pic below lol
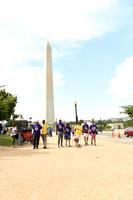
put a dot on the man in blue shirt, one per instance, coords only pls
(85, 128)
(36, 134)
(60, 129)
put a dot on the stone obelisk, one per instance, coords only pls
(48, 86)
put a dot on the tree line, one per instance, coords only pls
(7, 105)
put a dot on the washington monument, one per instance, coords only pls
(48, 86)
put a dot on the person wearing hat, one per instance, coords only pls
(93, 133)
(78, 132)
(36, 134)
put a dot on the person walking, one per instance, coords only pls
(93, 133)
(36, 129)
(78, 132)
(44, 133)
(60, 129)
(85, 133)
(67, 136)
(13, 131)
(50, 131)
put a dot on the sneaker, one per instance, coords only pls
(79, 145)
(44, 147)
(91, 143)
(58, 146)
(94, 144)
(33, 148)
(61, 145)
(87, 143)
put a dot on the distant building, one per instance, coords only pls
(114, 119)
(116, 125)
(118, 119)
(124, 119)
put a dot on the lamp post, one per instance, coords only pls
(75, 103)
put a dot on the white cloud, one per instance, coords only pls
(122, 83)
(60, 20)
(26, 25)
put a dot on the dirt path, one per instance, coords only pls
(104, 172)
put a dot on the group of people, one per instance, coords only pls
(42, 130)
(62, 131)
(77, 132)
(37, 130)
(66, 131)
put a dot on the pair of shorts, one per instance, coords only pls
(67, 138)
(93, 134)
(86, 134)
(60, 135)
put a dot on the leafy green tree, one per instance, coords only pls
(127, 109)
(81, 121)
(128, 123)
(7, 105)
(107, 127)
(9, 122)
(102, 123)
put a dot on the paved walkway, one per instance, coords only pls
(122, 140)
(104, 172)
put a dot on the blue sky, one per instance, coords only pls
(92, 47)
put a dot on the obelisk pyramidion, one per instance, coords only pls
(48, 87)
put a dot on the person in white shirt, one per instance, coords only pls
(13, 131)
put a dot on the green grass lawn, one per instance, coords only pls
(5, 140)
